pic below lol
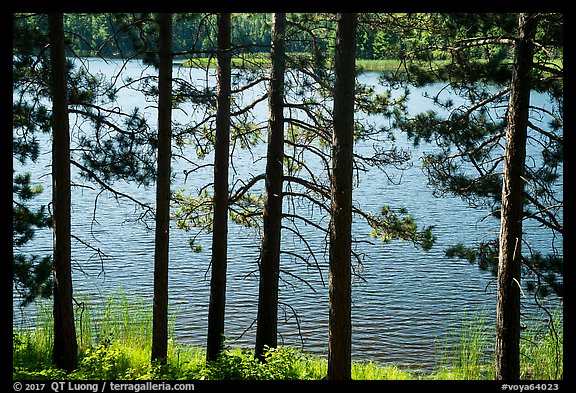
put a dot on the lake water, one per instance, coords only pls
(405, 301)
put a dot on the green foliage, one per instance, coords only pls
(542, 348)
(101, 362)
(196, 211)
(469, 356)
(25, 220)
(118, 320)
(25, 373)
(248, 212)
(27, 118)
(397, 224)
(374, 371)
(380, 36)
(120, 148)
(193, 211)
(120, 350)
(32, 274)
(485, 255)
(279, 363)
(541, 274)
(32, 352)
(469, 127)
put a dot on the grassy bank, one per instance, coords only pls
(118, 346)
(254, 62)
(257, 61)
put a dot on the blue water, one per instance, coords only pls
(405, 301)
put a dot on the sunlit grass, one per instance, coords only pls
(466, 353)
(259, 60)
(115, 343)
(542, 350)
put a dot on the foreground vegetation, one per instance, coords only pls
(116, 345)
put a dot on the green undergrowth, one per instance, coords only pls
(115, 344)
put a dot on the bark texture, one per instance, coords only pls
(507, 350)
(340, 249)
(216, 310)
(65, 345)
(266, 330)
(161, 254)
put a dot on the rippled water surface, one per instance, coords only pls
(405, 301)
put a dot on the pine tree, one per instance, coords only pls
(471, 137)
(472, 162)
(340, 285)
(65, 345)
(266, 330)
(216, 311)
(507, 352)
(161, 250)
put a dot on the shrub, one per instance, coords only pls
(280, 363)
(101, 362)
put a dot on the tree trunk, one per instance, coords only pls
(340, 291)
(217, 306)
(160, 307)
(266, 330)
(65, 345)
(507, 352)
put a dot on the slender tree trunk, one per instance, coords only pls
(65, 345)
(507, 352)
(161, 257)
(340, 291)
(266, 330)
(217, 306)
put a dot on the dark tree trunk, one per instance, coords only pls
(217, 306)
(160, 307)
(266, 330)
(340, 291)
(65, 345)
(507, 352)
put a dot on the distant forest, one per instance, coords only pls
(111, 35)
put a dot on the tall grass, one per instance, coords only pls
(468, 354)
(115, 343)
(119, 319)
(542, 349)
